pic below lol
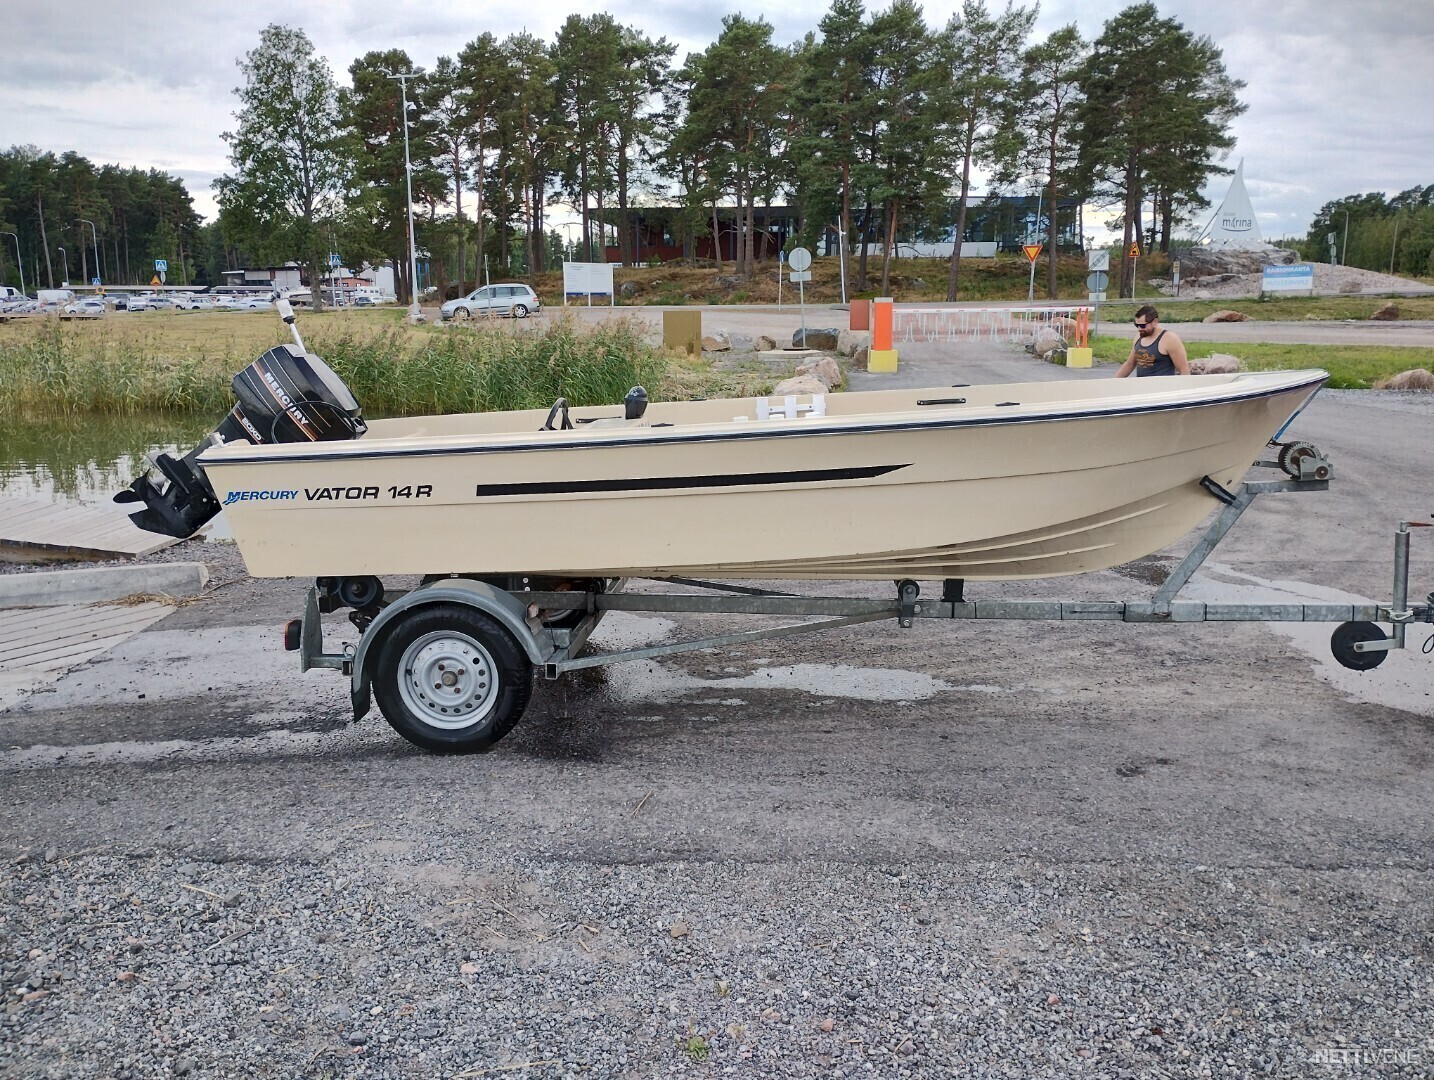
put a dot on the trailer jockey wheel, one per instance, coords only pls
(452, 679)
(1344, 638)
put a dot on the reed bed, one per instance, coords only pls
(61, 370)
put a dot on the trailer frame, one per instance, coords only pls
(550, 628)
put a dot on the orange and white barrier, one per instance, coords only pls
(882, 356)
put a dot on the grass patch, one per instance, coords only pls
(184, 363)
(1285, 309)
(1350, 367)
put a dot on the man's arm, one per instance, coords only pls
(1129, 365)
(1175, 349)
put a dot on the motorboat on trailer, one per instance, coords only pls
(1004, 481)
(525, 526)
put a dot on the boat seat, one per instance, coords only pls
(789, 408)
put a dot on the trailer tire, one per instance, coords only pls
(451, 679)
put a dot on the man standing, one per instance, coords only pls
(1156, 351)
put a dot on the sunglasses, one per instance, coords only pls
(1141, 325)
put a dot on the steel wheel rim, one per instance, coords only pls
(448, 680)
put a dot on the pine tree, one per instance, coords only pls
(1157, 109)
(981, 55)
(289, 167)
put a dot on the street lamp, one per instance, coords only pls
(413, 313)
(1344, 248)
(19, 261)
(95, 232)
(67, 265)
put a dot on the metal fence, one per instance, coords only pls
(994, 324)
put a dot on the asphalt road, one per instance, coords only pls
(780, 325)
(1045, 836)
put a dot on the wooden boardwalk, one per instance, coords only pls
(39, 644)
(64, 527)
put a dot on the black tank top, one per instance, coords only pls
(1162, 364)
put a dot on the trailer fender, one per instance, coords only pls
(508, 609)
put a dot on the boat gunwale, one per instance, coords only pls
(360, 450)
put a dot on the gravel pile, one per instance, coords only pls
(1328, 279)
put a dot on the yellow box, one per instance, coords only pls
(682, 330)
(1079, 357)
(881, 360)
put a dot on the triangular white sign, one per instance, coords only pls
(1234, 223)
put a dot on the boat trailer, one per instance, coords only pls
(451, 661)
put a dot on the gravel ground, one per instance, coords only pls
(523, 964)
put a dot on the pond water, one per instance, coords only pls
(87, 459)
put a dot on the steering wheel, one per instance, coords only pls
(560, 405)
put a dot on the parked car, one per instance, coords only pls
(190, 302)
(87, 306)
(515, 299)
(138, 303)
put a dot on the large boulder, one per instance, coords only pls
(764, 343)
(848, 341)
(825, 369)
(627, 290)
(1215, 364)
(816, 339)
(716, 341)
(1047, 340)
(800, 384)
(1226, 315)
(1413, 379)
(1386, 313)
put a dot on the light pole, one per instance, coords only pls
(19, 260)
(413, 313)
(1344, 248)
(569, 243)
(67, 265)
(96, 233)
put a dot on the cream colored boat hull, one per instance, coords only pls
(1015, 481)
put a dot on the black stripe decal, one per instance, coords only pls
(665, 483)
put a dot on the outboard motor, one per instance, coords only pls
(287, 395)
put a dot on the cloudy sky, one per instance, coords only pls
(1340, 93)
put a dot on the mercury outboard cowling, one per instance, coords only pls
(287, 395)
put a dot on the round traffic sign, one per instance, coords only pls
(799, 259)
(1097, 281)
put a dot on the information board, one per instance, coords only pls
(1294, 278)
(587, 279)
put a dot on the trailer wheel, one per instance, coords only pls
(1343, 640)
(452, 680)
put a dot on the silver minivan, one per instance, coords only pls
(516, 299)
